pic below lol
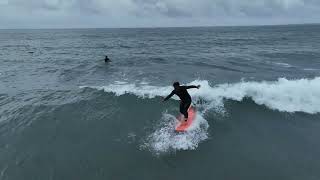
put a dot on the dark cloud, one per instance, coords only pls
(112, 13)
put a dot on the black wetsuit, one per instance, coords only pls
(185, 98)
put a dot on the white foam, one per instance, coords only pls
(284, 64)
(165, 139)
(144, 91)
(310, 69)
(301, 95)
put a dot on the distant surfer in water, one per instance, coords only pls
(184, 96)
(106, 59)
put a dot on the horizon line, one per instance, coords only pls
(159, 27)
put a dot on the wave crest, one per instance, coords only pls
(284, 95)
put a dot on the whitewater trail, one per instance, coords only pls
(284, 95)
(164, 139)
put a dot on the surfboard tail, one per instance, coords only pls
(182, 125)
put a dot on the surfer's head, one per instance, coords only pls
(176, 85)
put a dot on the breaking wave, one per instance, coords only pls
(284, 95)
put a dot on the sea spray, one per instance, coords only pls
(164, 139)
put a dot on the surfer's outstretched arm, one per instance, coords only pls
(190, 87)
(169, 96)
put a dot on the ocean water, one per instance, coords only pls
(66, 114)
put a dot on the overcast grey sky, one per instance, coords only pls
(154, 13)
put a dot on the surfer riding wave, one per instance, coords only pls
(185, 98)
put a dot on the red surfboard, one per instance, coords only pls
(183, 126)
